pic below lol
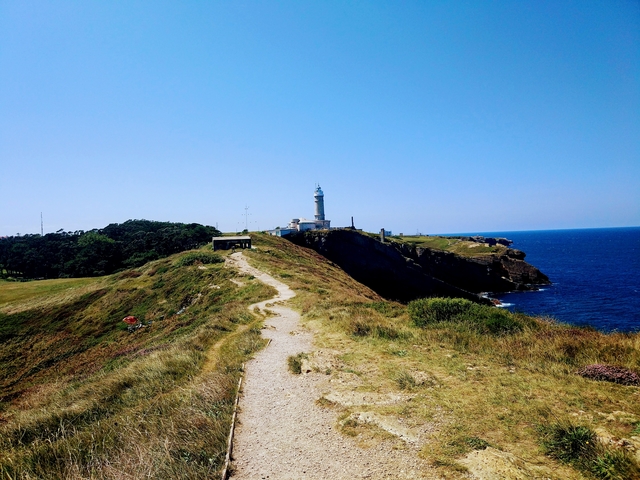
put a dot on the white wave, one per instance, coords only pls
(505, 305)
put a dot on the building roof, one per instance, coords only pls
(243, 237)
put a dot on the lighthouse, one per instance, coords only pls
(319, 198)
(302, 224)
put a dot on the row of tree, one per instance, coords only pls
(100, 251)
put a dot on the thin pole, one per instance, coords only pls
(246, 218)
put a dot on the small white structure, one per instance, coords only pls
(302, 224)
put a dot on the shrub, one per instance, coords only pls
(433, 310)
(499, 322)
(199, 257)
(568, 443)
(481, 318)
(610, 373)
(579, 446)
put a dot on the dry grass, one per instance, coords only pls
(83, 398)
(460, 383)
(20, 296)
(455, 245)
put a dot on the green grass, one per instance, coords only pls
(458, 312)
(83, 398)
(199, 258)
(578, 445)
(11, 292)
(454, 245)
(479, 373)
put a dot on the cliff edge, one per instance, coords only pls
(403, 271)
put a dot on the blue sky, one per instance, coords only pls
(430, 116)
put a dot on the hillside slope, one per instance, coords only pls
(82, 397)
(480, 392)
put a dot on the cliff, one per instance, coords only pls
(404, 272)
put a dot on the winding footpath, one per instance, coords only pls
(282, 433)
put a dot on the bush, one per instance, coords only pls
(433, 310)
(578, 445)
(610, 373)
(497, 322)
(568, 443)
(481, 318)
(199, 257)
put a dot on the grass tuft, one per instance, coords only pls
(405, 380)
(568, 443)
(476, 443)
(295, 363)
(579, 446)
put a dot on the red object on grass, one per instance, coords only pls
(131, 320)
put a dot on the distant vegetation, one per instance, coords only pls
(100, 251)
(456, 245)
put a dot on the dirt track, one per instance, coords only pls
(282, 433)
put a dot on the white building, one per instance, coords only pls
(302, 224)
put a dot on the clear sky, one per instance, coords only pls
(429, 116)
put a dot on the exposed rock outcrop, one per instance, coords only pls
(404, 272)
(485, 273)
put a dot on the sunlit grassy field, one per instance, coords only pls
(13, 293)
(471, 388)
(82, 397)
(449, 244)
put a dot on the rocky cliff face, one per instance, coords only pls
(485, 273)
(403, 272)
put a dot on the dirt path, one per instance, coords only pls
(282, 433)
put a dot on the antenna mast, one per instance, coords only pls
(246, 218)
(41, 226)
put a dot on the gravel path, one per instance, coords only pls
(282, 433)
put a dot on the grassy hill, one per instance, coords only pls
(507, 382)
(84, 398)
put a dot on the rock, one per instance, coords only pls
(306, 366)
(386, 423)
(493, 464)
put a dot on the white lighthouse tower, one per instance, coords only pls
(302, 224)
(319, 198)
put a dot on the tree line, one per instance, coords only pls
(99, 251)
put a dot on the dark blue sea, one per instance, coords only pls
(595, 275)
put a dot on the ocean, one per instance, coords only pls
(595, 275)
